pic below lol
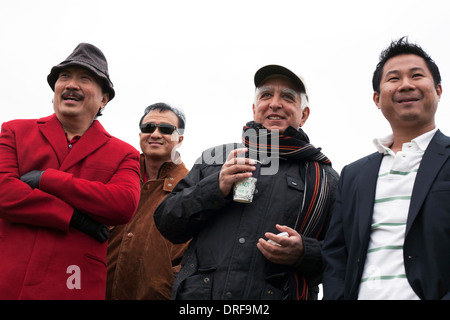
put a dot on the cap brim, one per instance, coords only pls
(270, 70)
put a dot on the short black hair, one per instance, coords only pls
(161, 106)
(399, 47)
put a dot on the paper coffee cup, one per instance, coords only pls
(244, 189)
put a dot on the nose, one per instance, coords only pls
(72, 84)
(275, 103)
(156, 134)
(406, 84)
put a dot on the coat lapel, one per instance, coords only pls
(434, 157)
(94, 138)
(367, 184)
(53, 131)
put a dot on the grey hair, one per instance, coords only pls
(303, 98)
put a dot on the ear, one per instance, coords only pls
(305, 116)
(180, 140)
(253, 108)
(376, 99)
(439, 91)
(105, 99)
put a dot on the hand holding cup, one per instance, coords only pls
(235, 169)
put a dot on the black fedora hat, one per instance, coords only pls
(87, 56)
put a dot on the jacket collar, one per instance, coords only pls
(167, 169)
(95, 137)
(53, 131)
(433, 159)
(366, 188)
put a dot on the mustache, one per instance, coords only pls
(72, 94)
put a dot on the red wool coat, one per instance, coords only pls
(41, 257)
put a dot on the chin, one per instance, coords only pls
(276, 127)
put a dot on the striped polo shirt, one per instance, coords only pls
(384, 274)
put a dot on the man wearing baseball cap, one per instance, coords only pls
(236, 252)
(64, 180)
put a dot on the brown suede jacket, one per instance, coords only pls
(141, 262)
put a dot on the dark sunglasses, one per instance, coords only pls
(164, 128)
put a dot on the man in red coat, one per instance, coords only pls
(64, 179)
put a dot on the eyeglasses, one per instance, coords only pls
(164, 128)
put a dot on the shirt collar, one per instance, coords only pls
(74, 139)
(422, 141)
(164, 170)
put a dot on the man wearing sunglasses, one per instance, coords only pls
(236, 252)
(141, 262)
(64, 179)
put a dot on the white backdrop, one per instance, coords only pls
(201, 55)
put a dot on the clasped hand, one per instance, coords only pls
(289, 251)
(79, 221)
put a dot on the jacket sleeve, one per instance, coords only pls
(194, 200)
(111, 203)
(18, 202)
(334, 251)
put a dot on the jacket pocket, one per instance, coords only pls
(92, 259)
(198, 286)
(295, 183)
(276, 287)
(441, 186)
(293, 198)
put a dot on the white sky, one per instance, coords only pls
(201, 56)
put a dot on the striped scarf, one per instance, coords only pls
(294, 145)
